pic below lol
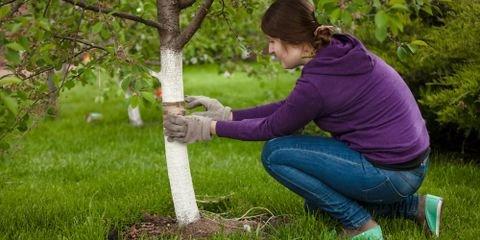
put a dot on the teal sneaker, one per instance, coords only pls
(371, 234)
(433, 212)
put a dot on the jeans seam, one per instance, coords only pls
(395, 189)
(362, 222)
(315, 152)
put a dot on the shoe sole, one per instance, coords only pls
(439, 218)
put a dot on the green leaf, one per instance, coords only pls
(399, 6)
(395, 24)
(15, 46)
(15, 27)
(148, 96)
(9, 80)
(335, 15)
(381, 19)
(320, 3)
(381, 33)
(105, 34)
(22, 126)
(428, 10)
(12, 56)
(43, 22)
(125, 84)
(97, 27)
(410, 48)
(134, 101)
(24, 42)
(69, 84)
(347, 18)
(10, 103)
(402, 53)
(419, 43)
(89, 76)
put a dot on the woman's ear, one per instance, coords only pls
(308, 51)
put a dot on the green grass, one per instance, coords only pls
(73, 180)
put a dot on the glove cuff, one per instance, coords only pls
(227, 111)
(205, 134)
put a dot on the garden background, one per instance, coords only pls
(67, 178)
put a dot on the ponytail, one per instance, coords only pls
(322, 36)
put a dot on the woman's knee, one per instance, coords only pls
(270, 147)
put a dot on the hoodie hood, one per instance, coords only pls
(344, 56)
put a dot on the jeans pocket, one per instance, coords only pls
(384, 192)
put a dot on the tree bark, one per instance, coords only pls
(52, 94)
(134, 116)
(171, 79)
(181, 185)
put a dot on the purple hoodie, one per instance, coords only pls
(349, 92)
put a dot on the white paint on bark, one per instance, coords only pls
(133, 112)
(181, 185)
(171, 76)
(134, 116)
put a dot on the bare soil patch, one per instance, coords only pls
(153, 226)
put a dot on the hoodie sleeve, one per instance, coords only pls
(300, 107)
(256, 112)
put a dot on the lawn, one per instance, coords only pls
(73, 180)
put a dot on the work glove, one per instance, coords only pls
(187, 129)
(214, 109)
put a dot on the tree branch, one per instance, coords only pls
(188, 32)
(46, 8)
(82, 4)
(185, 3)
(15, 8)
(7, 2)
(81, 41)
(153, 63)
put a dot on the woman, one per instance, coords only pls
(377, 158)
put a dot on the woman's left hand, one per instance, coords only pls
(187, 129)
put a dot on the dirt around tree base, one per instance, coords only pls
(154, 226)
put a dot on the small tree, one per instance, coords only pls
(171, 37)
(172, 40)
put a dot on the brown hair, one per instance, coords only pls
(294, 22)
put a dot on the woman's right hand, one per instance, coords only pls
(214, 109)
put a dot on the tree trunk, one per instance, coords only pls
(172, 40)
(52, 107)
(134, 116)
(183, 195)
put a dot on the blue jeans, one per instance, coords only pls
(340, 181)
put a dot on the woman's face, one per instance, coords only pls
(290, 55)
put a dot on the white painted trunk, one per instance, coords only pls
(133, 112)
(171, 78)
(134, 116)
